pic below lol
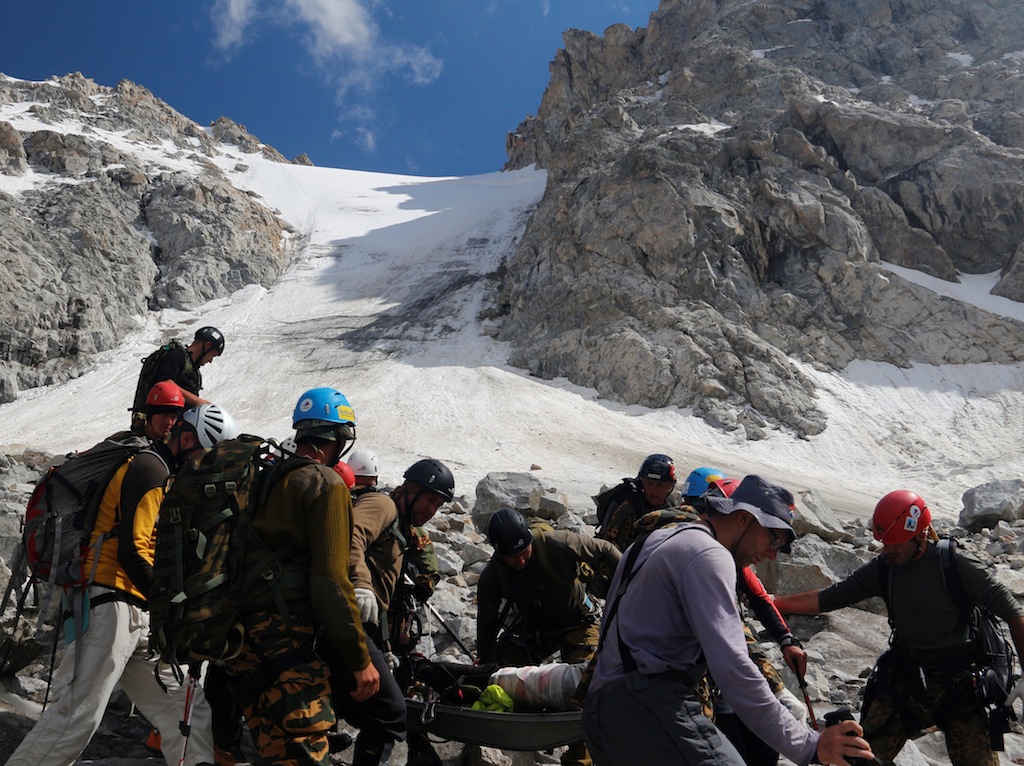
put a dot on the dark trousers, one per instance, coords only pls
(383, 715)
(653, 720)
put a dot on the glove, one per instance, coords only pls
(1016, 693)
(369, 609)
(422, 589)
(793, 704)
(392, 660)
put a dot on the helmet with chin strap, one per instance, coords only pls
(658, 467)
(434, 476)
(324, 413)
(509, 532)
(165, 396)
(211, 423)
(899, 517)
(211, 335)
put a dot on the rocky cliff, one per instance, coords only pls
(98, 230)
(727, 185)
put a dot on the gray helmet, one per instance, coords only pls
(434, 476)
(211, 423)
(509, 532)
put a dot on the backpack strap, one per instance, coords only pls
(628, 663)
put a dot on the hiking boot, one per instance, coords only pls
(421, 752)
(153, 742)
(338, 741)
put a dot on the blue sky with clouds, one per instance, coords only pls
(427, 88)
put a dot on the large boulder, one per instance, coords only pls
(990, 503)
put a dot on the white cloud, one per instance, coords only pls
(336, 28)
(545, 7)
(230, 20)
(341, 37)
(345, 42)
(366, 138)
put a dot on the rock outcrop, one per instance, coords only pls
(726, 185)
(112, 207)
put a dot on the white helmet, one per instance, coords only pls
(212, 423)
(363, 462)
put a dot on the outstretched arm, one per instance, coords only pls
(799, 603)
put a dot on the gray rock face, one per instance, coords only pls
(725, 183)
(104, 234)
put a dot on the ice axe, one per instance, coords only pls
(807, 700)
(462, 644)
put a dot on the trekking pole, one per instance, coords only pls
(430, 607)
(807, 700)
(185, 727)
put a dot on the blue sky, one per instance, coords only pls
(427, 88)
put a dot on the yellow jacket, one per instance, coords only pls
(128, 513)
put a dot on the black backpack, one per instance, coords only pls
(996, 660)
(612, 498)
(147, 373)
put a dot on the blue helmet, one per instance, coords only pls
(324, 413)
(696, 483)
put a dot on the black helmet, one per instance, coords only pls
(433, 475)
(211, 335)
(509, 532)
(659, 467)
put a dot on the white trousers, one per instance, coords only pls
(113, 653)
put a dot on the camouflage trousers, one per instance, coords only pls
(284, 690)
(905, 698)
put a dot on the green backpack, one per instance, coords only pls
(210, 566)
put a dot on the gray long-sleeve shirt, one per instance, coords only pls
(682, 603)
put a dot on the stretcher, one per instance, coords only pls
(507, 731)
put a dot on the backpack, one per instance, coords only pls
(610, 499)
(149, 365)
(59, 520)
(995, 659)
(210, 566)
(62, 509)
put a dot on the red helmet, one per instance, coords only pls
(722, 487)
(344, 470)
(165, 396)
(899, 517)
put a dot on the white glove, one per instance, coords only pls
(1016, 693)
(369, 609)
(793, 704)
(391, 660)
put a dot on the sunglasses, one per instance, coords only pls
(777, 542)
